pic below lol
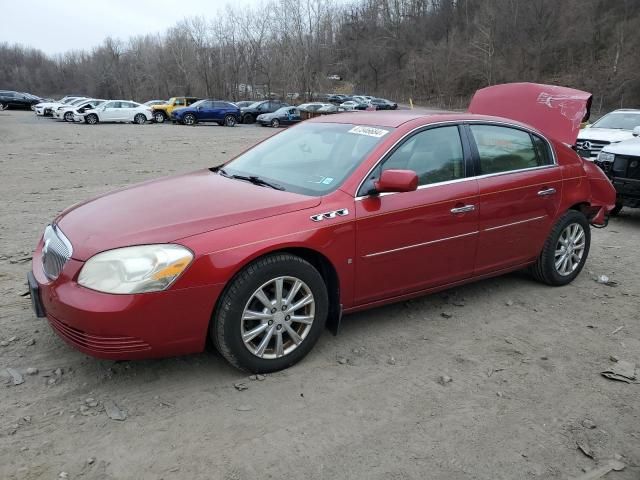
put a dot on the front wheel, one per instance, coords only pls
(3, 106)
(271, 314)
(140, 119)
(248, 118)
(275, 123)
(92, 119)
(565, 251)
(159, 117)
(189, 119)
(229, 121)
(68, 117)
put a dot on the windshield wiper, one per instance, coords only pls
(256, 180)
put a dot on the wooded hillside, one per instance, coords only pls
(437, 52)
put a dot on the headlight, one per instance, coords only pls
(606, 157)
(145, 268)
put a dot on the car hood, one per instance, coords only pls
(555, 111)
(171, 208)
(628, 147)
(611, 135)
(49, 104)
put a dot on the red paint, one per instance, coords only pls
(388, 247)
(397, 181)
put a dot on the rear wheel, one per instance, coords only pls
(159, 117)
(3, 106)
(230, 121)
(271, 314)
(275, 123)
(92, 119)
(189, 119)
(565, 250)
(140, 119)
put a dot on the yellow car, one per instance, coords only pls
(163, 111)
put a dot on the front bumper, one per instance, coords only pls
(123, 327)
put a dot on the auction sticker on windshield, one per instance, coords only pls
(369, 131)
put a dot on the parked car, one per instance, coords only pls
(327, 217)
(328, 108)
(383, 104)
(250, 113)
(282, 117)
(116, 111)
(350, 105)
(151, 103)
(621, 163)
(163, 111)
(45, 109)
(218, 111)
(17, 100)
(316, 106)
(244, 103)
(337, 99)
(66, 111)
(614, 127)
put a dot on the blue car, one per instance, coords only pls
(218, 111)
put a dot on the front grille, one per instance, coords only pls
(98, 343)
(592, 146)
(625, 166)
(56, 251)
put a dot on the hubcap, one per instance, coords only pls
(278, 317)
(569, 249)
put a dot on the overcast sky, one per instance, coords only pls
(56, 26)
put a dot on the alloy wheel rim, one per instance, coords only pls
(68, 116)
(275, 123)
(140, 119)
(278, 317)
(231, 121)
(188, 120)
(569, 249)
(159, 117)
(91, 119)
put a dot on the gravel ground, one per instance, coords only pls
(496, 380)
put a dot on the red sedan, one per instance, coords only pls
(335, 215)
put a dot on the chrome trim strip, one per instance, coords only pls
(419, 245)
(514, 223)
(477, 177)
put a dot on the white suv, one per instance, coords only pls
(614, 127)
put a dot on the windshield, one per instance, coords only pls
(198, 103)
(312, 158)
(254, 105)
(619, 120)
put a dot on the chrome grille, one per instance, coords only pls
(56, 251)
(593, 146)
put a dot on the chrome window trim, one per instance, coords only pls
(476, 177)
(416, 245)
(514, 223)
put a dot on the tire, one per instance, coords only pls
(68, 117)
(3, 106)
(91, 119)
(140, 119)
(275, 123)
(230, 121)
(189, 119)
(227, 325)
(159, 117)
(616, 210)
(545, 270)
(248, 119)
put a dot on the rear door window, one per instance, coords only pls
(504, 149)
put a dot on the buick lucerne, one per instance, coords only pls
(334, 215)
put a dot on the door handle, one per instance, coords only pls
(463, 209)
(547, 191)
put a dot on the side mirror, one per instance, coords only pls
(397, 181)
(636, 131)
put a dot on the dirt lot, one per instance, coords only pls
(524, 359)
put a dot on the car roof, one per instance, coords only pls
(394, 119)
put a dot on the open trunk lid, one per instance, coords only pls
(557, 112)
